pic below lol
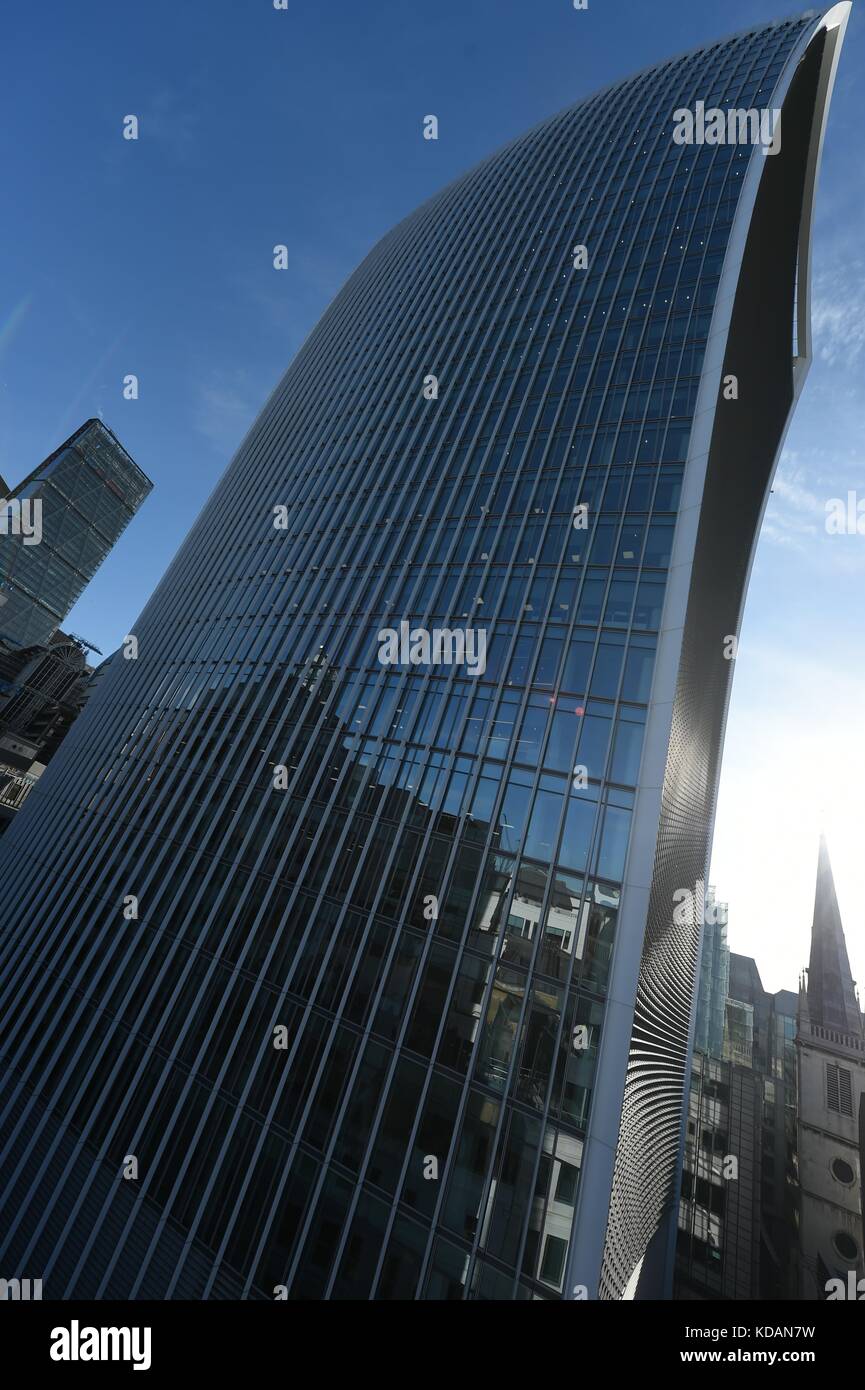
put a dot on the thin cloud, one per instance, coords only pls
(838, 313)
(225, 406)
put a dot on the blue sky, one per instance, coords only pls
(304, 127)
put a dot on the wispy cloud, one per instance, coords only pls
(838, 312)
(168, 119)
(225, 405)
(807, 480)
(292, 302)
(174, 123)
(795, 514)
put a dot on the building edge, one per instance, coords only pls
(607, 1167)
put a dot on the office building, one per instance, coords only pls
(366, 951)
(56, 528)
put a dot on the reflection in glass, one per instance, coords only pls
(565, 926)
(488, 909)
(464, 1014)
(524, 914)
(575, 1065)
(447, 1273)
(471, 1165)
(614, 843)
(543, 828)
(528, 746)
(540, 1030)
(500, 1029)
(577, 834)
(511, 1194)
(603, 915)
(626, 752)
(514, 810)
(552, 1214)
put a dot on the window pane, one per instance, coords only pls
(614, 843)
(564, 927)
(402, 1263)
(512, 816)
(626, 753)
(464, 1014)
(563, 737)
(576, 673)
(471, 1164)
(577, 834)
(594, 741)
(528, 746)
(608, 665)
(500, 1027)
(544, 826)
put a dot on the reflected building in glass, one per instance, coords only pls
(374, 967)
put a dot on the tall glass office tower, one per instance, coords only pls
(345, 983)
(85, 493)
(56, 528)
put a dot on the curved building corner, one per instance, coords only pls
(761, 336)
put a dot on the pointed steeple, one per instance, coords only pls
(832, 999)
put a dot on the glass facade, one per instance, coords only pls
(737, 1225)
(87, 492)
(351, 1034)
(714, 979)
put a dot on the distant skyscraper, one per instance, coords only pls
(86, 493)
(363, 929)
(831, 1047)
(56, 528)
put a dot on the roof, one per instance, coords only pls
(832, 1001)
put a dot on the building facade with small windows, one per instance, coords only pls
(401, 1010)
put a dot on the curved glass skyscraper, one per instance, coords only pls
(346, 945)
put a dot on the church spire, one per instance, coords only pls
(831, 993)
